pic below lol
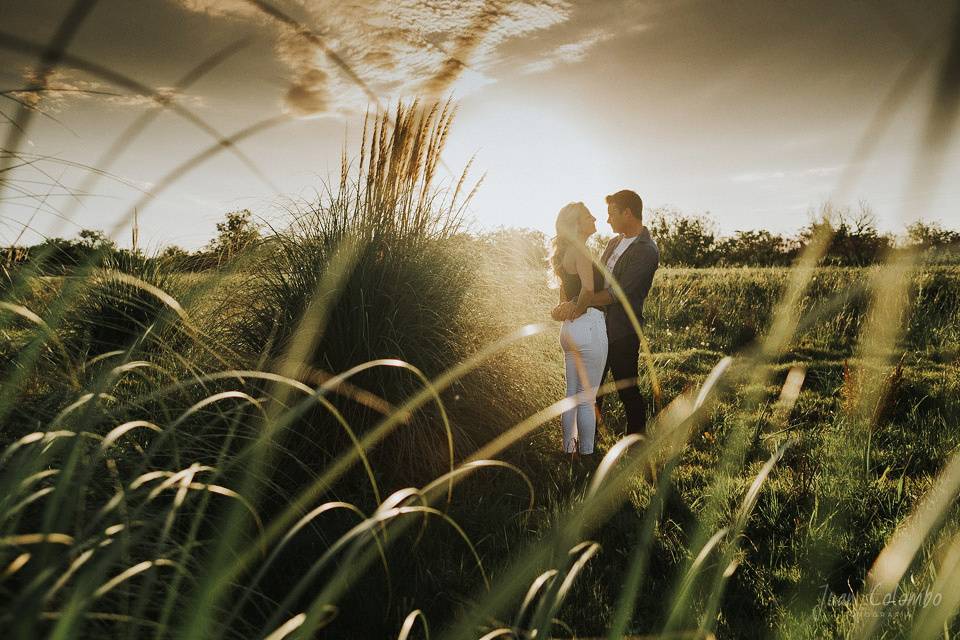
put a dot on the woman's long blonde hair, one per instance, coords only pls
(567, 226)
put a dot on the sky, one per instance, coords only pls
(751, 111)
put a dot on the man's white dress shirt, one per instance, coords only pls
(617, 252)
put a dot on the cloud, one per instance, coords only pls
(766, 176)
(390, 48)
(236, 8)
(822, 172)
(568, 53)
(759, 176)
(63, 88)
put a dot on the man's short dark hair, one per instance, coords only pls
(626, 199)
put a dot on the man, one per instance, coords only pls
(632, 257)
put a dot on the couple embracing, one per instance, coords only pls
(597, 334)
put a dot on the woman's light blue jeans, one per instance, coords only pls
(584, 343)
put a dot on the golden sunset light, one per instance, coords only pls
(479, 320)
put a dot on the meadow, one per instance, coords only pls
(352, 431)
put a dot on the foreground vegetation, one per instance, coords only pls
(354, 435)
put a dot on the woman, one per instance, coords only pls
(584, 340)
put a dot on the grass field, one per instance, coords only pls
(140, 555)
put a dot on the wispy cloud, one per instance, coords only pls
(759, 176)
(63, 88)
(394, 48)
(767, 176)
(237, 8)
(568, 53)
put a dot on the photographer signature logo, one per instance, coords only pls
(880, 600)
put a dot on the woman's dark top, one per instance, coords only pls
(571, 282)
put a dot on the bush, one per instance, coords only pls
(756, 248)
(519, 248)
(684, 240)
(237, 233)
(935, 243)
(405, 282)
(855, 240)
(114, 312)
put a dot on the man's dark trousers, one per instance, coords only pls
(634, 271)
(623, 355)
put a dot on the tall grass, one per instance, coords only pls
(355, 353)
(399, 294)
(349, 435)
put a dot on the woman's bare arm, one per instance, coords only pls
(585, 271)
(556, 313)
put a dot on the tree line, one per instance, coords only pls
(235, 234)
(856, 241)
(693, 240)
(684, 240)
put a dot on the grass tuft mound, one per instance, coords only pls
(374, 270)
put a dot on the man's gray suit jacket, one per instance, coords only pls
(634, 273)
